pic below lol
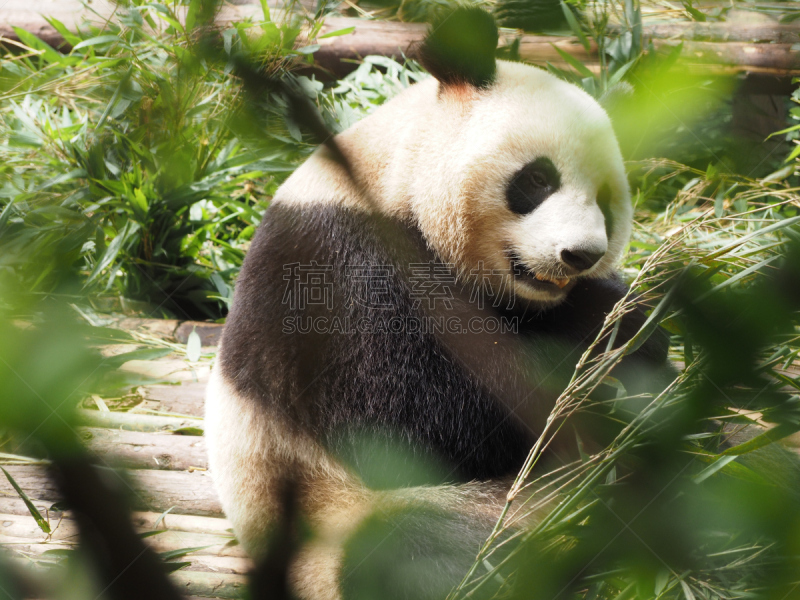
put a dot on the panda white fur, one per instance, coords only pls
(503, 177)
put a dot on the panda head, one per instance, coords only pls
(512, 175)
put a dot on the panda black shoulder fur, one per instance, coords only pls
(435, 294)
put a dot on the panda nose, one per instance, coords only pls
(582, 260)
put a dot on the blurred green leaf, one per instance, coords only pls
(338, 32)
(100, 39)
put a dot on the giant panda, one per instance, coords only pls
(427, 282)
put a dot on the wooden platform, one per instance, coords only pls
(761, 49)
(164, 470)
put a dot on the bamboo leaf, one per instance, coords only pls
(575, 26)
(74, 174)
(48, 53)
(171, 567)
(787, 130)
(113, 250)
(5, 215)
(771, 435)
(574, 62)
(68, 35)
(652, 322)
(162, 516)
(113, 102)
(100, 39)
(713, 468)
(620, 73)
(141, 354)
(37, 516)
(794, 154)
(746, 238)
(338, 32)
(193, 347)
(739, 276)
(169, 555)
(147, 534)
(191, 14)
(687, 591)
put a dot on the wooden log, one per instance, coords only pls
(31, 548)
(142, 521)
(177, 531)
(393, 39)
(24, 527)
(169, 369)
(135, 422)
(33, 481)
(188, 398)
(159, 328)
(738, 55)
(210, 585)
(137, 450)
(397, 39)
(209, 332)
(190, 493)
(207, 575)
(154, 491)
(29, 15)
(726, 32)
(762, 48)
(201, 560)
(21, 531)
(13, 505)
(211, 545)
(218, 564)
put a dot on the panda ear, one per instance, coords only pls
(460, 48)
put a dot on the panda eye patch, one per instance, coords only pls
(539, 179)
(532, 185)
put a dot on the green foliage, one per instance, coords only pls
(681, 502)
(132, 164)
(617, 52)
(421, 11)
(133, 169)
(792, 133)
(376, 80)
(659, 105)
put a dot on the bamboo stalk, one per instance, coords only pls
(135, 422)
(146, 521)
